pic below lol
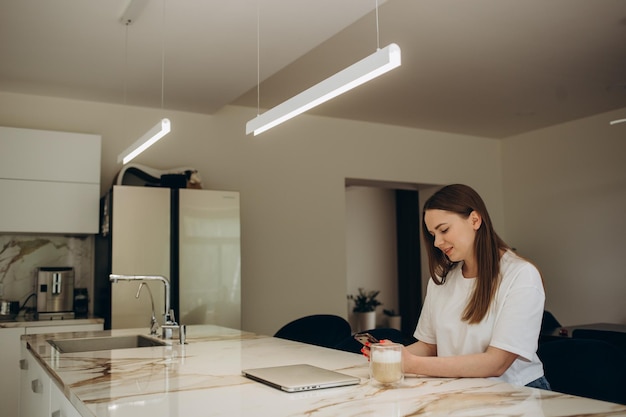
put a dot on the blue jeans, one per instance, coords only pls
(541, 383)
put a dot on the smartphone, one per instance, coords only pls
(365, 337)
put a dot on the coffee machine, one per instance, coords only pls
(55, 293)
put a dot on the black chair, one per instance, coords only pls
(549, 322)
(615, 338)
(349, 344)
(319, 329)
(585, 367)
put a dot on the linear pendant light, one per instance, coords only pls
(163, 127)
(148, 139)
(618, 121)
(380, 62)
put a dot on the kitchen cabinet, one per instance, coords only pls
(34, 387)
(39, 393)
(11, 349)
(50, 181)
(60, 406)
(9, 363)
(190, 236)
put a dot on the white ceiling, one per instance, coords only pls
(490, 68)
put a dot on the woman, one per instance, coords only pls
(484, 304)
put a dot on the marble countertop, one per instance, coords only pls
(203, 378)
(20, 321)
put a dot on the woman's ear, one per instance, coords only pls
(475, 219)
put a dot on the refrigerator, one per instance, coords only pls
(189, 236)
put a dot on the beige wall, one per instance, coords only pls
(565, 206)
(371, 246)
(292, 184)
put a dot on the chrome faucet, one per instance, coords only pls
(169, 322)
(154, 324)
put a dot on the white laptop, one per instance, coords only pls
(300, 377)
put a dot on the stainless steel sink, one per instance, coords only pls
(90, 344)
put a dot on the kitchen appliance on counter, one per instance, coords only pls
(55, 293)
(81, 302)
(9, 310)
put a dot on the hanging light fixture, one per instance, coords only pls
(148, 139)
(163, 127)
(380, 62)
(614, 122)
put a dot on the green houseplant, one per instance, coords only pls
(365, 303)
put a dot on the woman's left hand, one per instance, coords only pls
(365, 350)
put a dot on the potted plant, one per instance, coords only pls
(365, 304)
(394, 320)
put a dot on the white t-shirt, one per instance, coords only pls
(512, 323)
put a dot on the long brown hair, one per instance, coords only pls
(463, 200)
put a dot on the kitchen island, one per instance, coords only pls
(203, 378)
(10, 345)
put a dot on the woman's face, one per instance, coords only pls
(453, 234)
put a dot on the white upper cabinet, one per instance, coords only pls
(49, 181)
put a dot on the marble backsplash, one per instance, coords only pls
(21, 255)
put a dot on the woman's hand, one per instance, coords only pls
(407, 359)
(365, 350)
(407, 356)
(413, 354)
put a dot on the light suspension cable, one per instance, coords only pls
(163, 127)
(382, 61)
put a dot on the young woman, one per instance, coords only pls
(484, 304)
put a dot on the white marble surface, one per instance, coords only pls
(21, 322)
(21, 255)
(203, 378)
